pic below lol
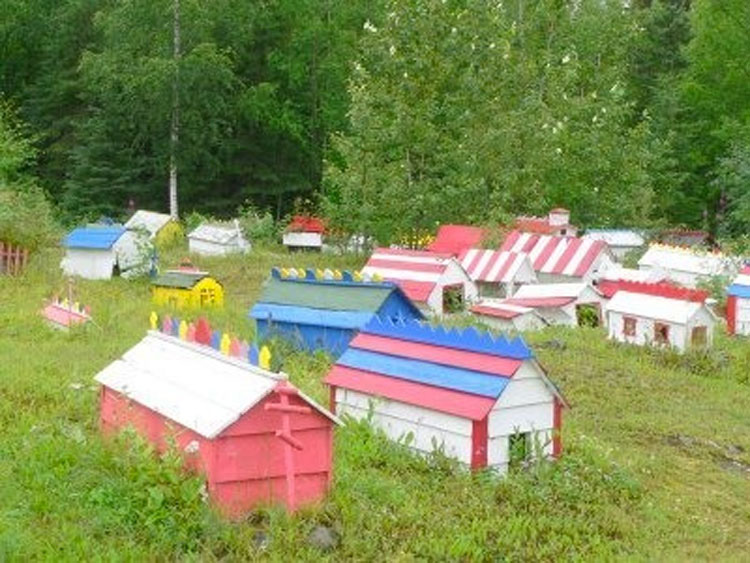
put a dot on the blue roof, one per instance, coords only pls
(97, 238)
(310, 316)
(737, 290)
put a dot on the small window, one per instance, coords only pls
(453, 299)
(661, 333)
(519, 449)
(699, 336)
(628, 326)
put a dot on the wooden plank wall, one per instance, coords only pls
(13, 259)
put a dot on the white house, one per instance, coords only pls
(507, 317)
(481, 400)
(304, 233)
(99, 252)
(497, 273)
(619, 241)
(738, 304)
(568, 304)
(660, 315)
(435, 282)
(218, 240)
(149, 221)
(685, 266)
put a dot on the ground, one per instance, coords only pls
(656, 464)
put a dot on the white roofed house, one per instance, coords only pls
(620, 241)
(435, 282)
(218, 239)
(661, 315)
(497, 273)
(159, 227)
(568, 304)
(686, 266)
(561, 259)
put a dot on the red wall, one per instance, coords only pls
(244, 465)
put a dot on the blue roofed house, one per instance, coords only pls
(316, 311)
(97, 252)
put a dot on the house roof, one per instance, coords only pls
(562, 255)
(151, 221)
(661, 289)
(193, 385)
(306, 224)
(417, 272)
(493, 266)
(618, 272)
(218, 234)
(64, 316)
(458, 372)
(549, 294)
(325, 302)
(682, 259)
(94, 238)
(180, 279)
(499, 309)
(653, 307)
(741, 285)
(683, 237)
(628, 238)
(456, 239)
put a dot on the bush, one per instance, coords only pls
(257, 225)
(26, 217)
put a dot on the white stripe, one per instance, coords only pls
(518, 247)
(403, 258)
(742, 279)
(402, 274)
(477, 270)
(511, 273)
(468, 258)
(538, 247)
(549, 265)
(500, 260)
(576, 259)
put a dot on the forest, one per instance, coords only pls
(385, 116)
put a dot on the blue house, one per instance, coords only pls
(317, 311)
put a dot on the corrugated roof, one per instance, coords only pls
(456, 239)
(617, 237)
(218, 234)
(497, 266)
(499, 309)
(653, 307)
(685, 260)
(179, 279)
(190, 384)
(95, 238)
(417, 272)
(561, 255)
(572, 290)
(151, 221)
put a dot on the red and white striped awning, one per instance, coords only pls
(492, 266)
(417, 272)
(567, 256)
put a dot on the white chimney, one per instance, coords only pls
(559, 217)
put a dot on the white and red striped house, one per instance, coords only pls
(497, 273)
(486, 402)
(561, 259)
(561, 303)
(738, 304)
(499, 315)
(435, 282)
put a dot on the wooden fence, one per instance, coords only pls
(12, 259)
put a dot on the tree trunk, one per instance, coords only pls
(175, 129)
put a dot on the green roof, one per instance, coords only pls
(336, 297)
(179, 279)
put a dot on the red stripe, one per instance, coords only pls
(531, 243)
(732, 314)
(479, 444)
(416, 253)
(494, 312)
(408, 266)
(494, 365)
(567, 256)
(415, 290)
(494, 257)
(544, 255)
(510, 240)
(591, 255)
(557, 428)
(460, 404)
(510, 260)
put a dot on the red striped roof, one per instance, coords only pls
(492, 266)
(455, 239)
(550, 254)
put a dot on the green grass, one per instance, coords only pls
(657, 450)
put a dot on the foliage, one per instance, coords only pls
(257, 226)
(26, 217)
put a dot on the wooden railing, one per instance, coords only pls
(13, 259)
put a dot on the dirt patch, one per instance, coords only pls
(725, 456)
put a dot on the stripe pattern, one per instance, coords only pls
(492, 266)
(550, 254)
(417, 272)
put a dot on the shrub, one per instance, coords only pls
(26, 217)
(257, 225)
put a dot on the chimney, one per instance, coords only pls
(559, 217)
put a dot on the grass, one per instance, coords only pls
(656, 464)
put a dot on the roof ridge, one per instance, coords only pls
(331, 277)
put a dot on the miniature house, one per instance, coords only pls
(497, 273)
(738, 304)
(482, 401)
(256, 438)
(218, 240)
(620, 273)
(99, 252)
(685, 266)
(507, 317)
(660, 314)
(684, 238)
(456, 239)
(304, 233)
(434, 282)
(558, 259)
(160, 227)
(619, 241)
(317, 311)
(62, 314)
(557, 222)
(567, 304)
(186, 287)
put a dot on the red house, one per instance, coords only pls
(256, 438)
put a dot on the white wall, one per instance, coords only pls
(679, 335)
(307, 240)
(397, 419)
(526, 406)
(523, 322)
(682, 278)
(454, 274)
(208, 248)
(743, 317)
(89, 264)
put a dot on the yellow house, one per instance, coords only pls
(187, 288)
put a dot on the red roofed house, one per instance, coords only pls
(568, 304)
(456, 239)
(486, 402)
(559, 259)
(556, 223)
(435, 282)
(497, 273)
(738, 304)
(304, 233)
(503, 316)
(63, 314)
(661, 314)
